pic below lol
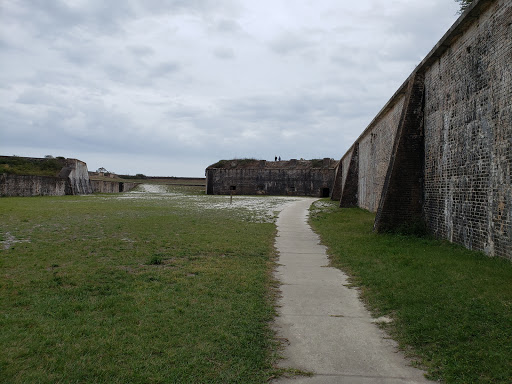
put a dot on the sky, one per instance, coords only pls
(168, 87)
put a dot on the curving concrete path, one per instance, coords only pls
(329, 331)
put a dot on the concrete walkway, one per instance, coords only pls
(329, 331)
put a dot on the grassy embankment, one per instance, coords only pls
(136, 290)
(452, 308)
(33, 167)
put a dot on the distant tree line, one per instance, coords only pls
(137, 176)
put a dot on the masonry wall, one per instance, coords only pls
(468, 136)
(375, 148)
(77, 175)
(293, 182)
(105, 186)
(73, 179)
(345, 164)
(455, 110)
(18, 185)
(338, 182)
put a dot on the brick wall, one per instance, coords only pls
(468, 136)
(293, 178)
(345, 165)
(375, 148)
(105, 186)
(337, 184)
(349, 197)
(401, 199)
(21, 185)
(463, 131)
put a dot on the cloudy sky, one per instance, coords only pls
(168, 87)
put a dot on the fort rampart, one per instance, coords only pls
(440, 151)
(106, 186)
(22, 185)
(260, 177)
(73, 179)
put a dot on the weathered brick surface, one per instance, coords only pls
(21, 185)
(294, 178)
(105, 186)
(337, 184)
(345, 165)
(349, 195)
(73, 179)
(375, 149)
(465, 177)
(401, 200)
(468, 136)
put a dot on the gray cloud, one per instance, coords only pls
(289, 42)
(164, 69)
(227, 26)
(224, 53)
(141, 50)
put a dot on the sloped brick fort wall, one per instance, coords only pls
(440, 151)
(260, 177)
(73, 179)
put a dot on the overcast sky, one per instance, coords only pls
(169, 87)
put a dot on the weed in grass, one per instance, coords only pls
(450, 306)
(155, 260)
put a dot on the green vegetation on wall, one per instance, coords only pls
(49, 166)
(234, 163)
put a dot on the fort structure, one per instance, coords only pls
(261, 177)
(111, 186)
(440, 151)
(70, 177)
(438, 154)
(59, 177)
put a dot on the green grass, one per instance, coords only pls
(452, 308)
(107, 290)
(234, 163)
(24, 166)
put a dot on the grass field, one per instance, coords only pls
(166, 285)
(452, 308)
(162, 287)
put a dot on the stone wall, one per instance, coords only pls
(375, 148)
(337, 186)
(73, 179)
(77, 175)
(20, 185)
(468, 135)
(293, 178)
(105, 186)
(345, 165)
(440, 151)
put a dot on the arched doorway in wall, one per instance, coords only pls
(326, 192)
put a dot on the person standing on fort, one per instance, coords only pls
(275, 159)
(279, 158)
